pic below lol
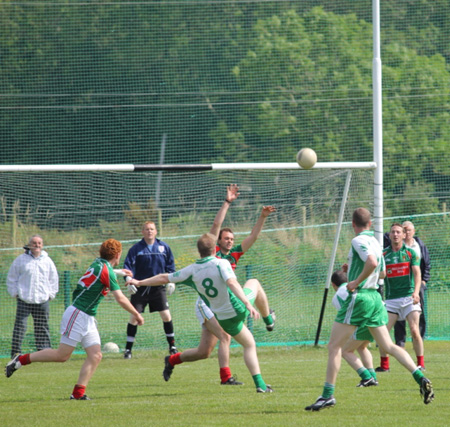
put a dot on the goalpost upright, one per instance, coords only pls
(377, 124)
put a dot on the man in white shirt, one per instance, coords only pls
(33, 280)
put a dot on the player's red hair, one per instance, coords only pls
(110, 249)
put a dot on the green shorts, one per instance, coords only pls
(362, 334)
(365, 308)
(235, 324)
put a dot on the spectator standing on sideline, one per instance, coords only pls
(33, 280)
(413, 242)
(147, 258)
(402, 287)
(78, 324)
(364, 307)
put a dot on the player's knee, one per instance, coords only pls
(97, 357)
(225, 339)
(415, 334)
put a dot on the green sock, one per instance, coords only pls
(259, 382)
(268, 320)
(328, 390)
(418, 375)
(364, 373)
(373, 374)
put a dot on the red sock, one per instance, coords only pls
(78, 391)
(385, 362)
(25, 359)
(421, 361)
(225, 374)
(175, 359)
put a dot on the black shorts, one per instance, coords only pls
(154, 296)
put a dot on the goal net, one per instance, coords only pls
(75, 211)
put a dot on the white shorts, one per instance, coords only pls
(202, 311)
(402, 307)
(79, 327)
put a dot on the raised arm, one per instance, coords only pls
(232, 195)
(248, 241)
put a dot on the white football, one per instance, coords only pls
(111, 347)
(170, 288)
(306, 158)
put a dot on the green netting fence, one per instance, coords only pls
(182, 81)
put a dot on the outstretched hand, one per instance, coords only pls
(133, 282)
(232, 192)
(267, 210)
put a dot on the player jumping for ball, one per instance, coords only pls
(215, 282)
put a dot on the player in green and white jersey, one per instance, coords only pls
(212, 332)
(402, 291)
(359, 341)
(214, 280)
(78, 324)
(364, 307)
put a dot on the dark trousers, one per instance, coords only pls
(400, 325)
(40, 314)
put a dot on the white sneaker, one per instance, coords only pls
(12, 366)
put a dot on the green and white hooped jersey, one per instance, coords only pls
(363, 245)
(208, 277)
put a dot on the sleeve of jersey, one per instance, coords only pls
(108, 278)
(225, 270)
(340, 296)
(335, 302)
(361, 246)
(181, 276)
(415, 258)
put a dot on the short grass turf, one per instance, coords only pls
(133, 392)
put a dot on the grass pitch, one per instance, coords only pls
(133, 392)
